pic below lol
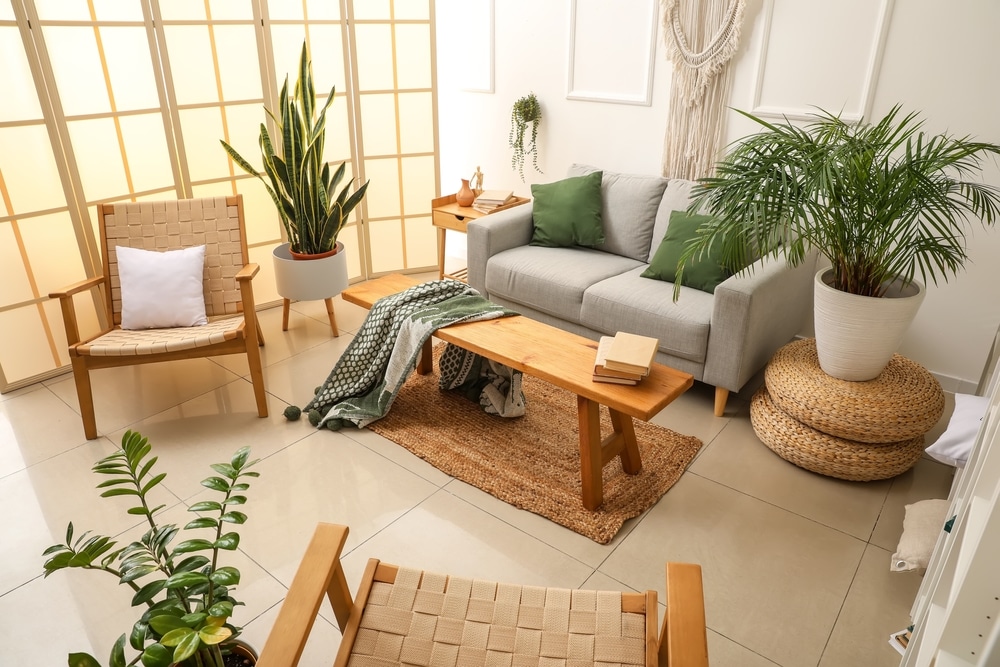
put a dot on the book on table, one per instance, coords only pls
(494, 197)
(631, 353)
(602, 374)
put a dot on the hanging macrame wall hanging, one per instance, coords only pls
(701, 37)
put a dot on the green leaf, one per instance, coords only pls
(221, 610)
(235, 500)
(164, 623)
(194, 620)
(138, 572)
(206, 506)
(214, 634)
(138, 635)
(157, 655)
(147, 592)
(119, 492)
(216, 484)
(176, 636)
(82, 660)
(117, 657)
(202, 522)
(187, 647)
(225, 470)
(182, 579)
(188, 546)
(190, 564)
(225, 576)
(153, 482)
(233, 517)
(229, 542)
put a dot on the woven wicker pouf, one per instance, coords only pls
(904, 402)
(826, 454)
(859, 431)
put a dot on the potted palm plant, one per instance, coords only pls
(884, 202)
(184, 592)
(303, 188)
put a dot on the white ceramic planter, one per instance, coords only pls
(310, 279)
(856, 336)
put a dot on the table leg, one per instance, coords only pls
(595, 451)
(425, 364)
(441, 238)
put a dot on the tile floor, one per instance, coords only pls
(796, 565)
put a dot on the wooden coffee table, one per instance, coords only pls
(565, 360)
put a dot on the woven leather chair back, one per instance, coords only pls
(215, 222)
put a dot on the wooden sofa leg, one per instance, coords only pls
(721, 396)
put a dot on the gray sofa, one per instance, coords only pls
(722, 339)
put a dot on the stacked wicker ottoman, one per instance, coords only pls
(858, 431)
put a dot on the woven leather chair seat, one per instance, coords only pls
(118, 343)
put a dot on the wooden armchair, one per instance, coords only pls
(232, 328)
(403, 616)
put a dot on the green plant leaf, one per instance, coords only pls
(157, 655)
(216, 484)
(82, 660)
(119, 492)
(188, 546)
(194, 620)
(235, 500)
(177, 635)
(239, 458)
(201, 522)
(164, 623)
(214, 634)
(206, 506)
(147, 592)
(117, 657)
(137, 637)
(234, 517)
(187, 646)
(153, 482)
(138, 572)
(191, 563)
(224, 469)
(221, 610)
(229, 542)
(183, 579)
(225, 576)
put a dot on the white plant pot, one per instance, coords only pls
(856, 336)
(310, 279)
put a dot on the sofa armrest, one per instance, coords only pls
(492, 234)
(756, 312)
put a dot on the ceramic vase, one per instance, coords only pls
(856, 336)
(465, 196)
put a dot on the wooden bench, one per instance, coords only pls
(565, 360)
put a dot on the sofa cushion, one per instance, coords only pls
(628, 302)
(628, 208)
(677, 197)
(568, 212)
(701, 272)
(551, 279)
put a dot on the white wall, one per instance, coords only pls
(938, 59)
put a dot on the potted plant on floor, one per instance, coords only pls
(525, 112)
(883, 202)
(304, 190)
(184, 592)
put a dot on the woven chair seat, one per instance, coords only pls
(431, 619)
(125, 343)
(904, 402)
(825, 454)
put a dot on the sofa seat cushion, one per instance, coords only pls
(552, 280)
(628, 302)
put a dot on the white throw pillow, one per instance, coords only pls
(162, 289)
(922, 525)
(956, 442)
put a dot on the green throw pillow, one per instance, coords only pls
(568, 212)
(704, 273)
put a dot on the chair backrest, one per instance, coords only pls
(215, 222)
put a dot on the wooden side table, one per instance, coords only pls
(447, 214)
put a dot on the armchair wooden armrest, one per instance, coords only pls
(247, 272)
(684, 639)
(77, 287)
(65, 297)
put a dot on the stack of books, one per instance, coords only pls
(624, 358)
(489, 200)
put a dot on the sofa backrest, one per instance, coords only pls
(628, 210)
(635, 209)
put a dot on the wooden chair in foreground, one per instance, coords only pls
(232, 328)
(403, 616)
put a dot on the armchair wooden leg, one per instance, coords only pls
(85, 395)
(684, 640)
(721, 396)
(260, 335)
(257, 379)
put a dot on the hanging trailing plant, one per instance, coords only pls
(526, 111)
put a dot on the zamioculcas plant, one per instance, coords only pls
(299, 181)
(183, 590)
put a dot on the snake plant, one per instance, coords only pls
(299, 181)
(882, 201)
(184, 592)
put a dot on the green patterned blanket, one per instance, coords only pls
(364, 382)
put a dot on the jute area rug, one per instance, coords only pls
(533, 462)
